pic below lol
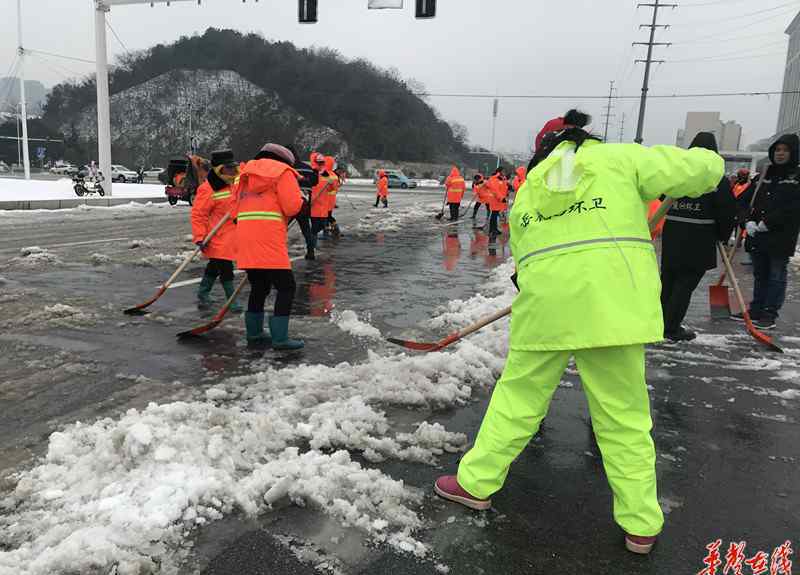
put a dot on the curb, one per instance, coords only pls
(74, 203)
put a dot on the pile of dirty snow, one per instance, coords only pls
(128, 492)
(393, 219)
(134, 244)
(158, 260)
(99, 259)
(56, 315)
(34, 256)
(348, 321)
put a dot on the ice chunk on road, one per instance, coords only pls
(99, 259)
(348, 321)
(34, 256)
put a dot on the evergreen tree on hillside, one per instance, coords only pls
(375, 110)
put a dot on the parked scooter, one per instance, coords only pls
(84, 186)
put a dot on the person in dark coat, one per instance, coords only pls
(689, 246)
(772, 229)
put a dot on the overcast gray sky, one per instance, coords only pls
(508, 47)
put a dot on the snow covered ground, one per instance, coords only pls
(12, 189)
(126, 493)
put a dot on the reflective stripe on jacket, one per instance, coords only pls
(208, 208)
(268, 195)
(587, 270)
(333, 190)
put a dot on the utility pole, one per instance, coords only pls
(608, 115)
(622, 128)
(495, 109)
(23, 106)
(646, 85)
(103, 102)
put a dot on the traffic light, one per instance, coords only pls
(426, 8)
(307, 11)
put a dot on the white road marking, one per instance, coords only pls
(86, 243)
(198, 280)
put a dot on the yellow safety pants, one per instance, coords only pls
(614, 380)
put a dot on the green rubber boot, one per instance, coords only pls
(279, 328)
(229, 289)
(204, 291)
(254, 324)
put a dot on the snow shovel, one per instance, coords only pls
(139, 309)
(759, 336)
(440, 215)
(480, 324)
(217, 319)
(453, 337)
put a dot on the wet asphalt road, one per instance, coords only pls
(728, 450)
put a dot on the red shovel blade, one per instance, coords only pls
(719, 300)
(416, 346)
(201, 330)
(760, 335)
(140, 309)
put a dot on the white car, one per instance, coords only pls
(63, 169)
(122, 174)
(154, 172)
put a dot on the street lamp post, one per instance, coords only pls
(24, 109)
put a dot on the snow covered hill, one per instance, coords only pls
(156, 120)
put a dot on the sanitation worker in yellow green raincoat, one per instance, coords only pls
(589, 289)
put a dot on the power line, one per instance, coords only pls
(739, 52)
(716, 39)
(114, 32)
(12, 76)
(736, 58)
(723, 32)
(712, 3)
(548, 96)
(85, 61)
(62, 71)
(794, 6)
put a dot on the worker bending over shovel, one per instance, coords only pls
(589, 289)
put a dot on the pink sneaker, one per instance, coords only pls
(447, 487)
(639, 544)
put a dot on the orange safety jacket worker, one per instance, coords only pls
(739, 189)
(480, 192)
(383, 186)
(455, 186)
(320, 198)
(519, 179)
(333, 178)
(268, 195)
(208, 209)
(497, 191)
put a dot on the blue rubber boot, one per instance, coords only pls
(229, 289)
(254, 324)
(279, 328)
